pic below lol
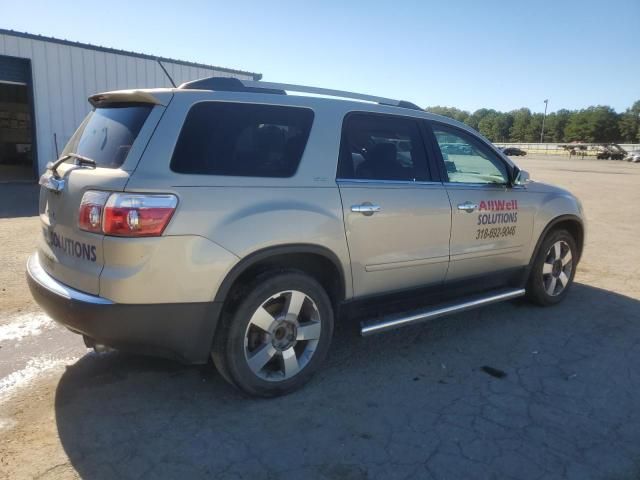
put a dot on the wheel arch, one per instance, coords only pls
(315, 260)
(572, 223)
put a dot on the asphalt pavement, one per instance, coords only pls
(507, 391)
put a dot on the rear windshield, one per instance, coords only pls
(238, 139)
(106, 135)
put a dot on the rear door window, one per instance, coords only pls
(108, 133)
(241, 139)
(382, 147)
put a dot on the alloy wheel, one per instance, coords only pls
(557, 268)
(282, 335)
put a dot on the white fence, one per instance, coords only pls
(557, 149)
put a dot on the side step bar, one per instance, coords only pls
(409, 318)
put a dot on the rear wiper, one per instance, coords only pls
(80, 160)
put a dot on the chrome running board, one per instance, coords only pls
(409, 318)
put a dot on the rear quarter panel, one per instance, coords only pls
(241, 215)
(73, 256)
(167, 269)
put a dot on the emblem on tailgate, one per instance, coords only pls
(51, 183)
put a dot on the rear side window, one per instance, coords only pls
(241, 139)
(381, 147)
(107, 134)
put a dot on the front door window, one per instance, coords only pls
(467, 160)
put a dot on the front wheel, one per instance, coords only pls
(553, 269)
(278, 335)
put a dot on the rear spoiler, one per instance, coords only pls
(153, 97)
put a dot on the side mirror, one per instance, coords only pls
(521, 178)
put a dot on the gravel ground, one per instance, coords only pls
(19, 226)
(559, 399)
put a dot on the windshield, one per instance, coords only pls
(107, 134)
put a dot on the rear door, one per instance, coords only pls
(397, 219)
(492, 220)
(114, 135)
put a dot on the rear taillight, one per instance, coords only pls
(135, 215)
(126, 214)
(91, 208)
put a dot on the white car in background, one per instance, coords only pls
(633, 156)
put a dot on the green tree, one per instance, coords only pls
(593, 124)
(520, 125)
(549, 127)
(605, 124)
(487, 126)
(532, 133)
(495, 126)
(473, 120)
(577, 129)
(505, 126)
(555, 124)
(451, 112)
(629, 124)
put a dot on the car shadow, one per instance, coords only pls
(473, 392)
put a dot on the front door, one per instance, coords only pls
(397, 220)
(491, 221)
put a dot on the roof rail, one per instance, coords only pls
(230, 84)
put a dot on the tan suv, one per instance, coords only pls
(227, 218)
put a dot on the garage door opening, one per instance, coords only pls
(17, 139)
(16, 136)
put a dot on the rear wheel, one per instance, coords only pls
(277, 336)
(553, 269)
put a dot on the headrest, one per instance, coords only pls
(384, 153)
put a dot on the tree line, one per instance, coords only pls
(594, 124)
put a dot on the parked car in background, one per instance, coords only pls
(610, 151)
(633, 156)
(513, 151)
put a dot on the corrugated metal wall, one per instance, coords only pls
(64, 76)
(14, 70)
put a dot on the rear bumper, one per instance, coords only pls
(182, 331)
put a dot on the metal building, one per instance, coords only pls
(45, 83)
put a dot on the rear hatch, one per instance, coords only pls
(102, 154)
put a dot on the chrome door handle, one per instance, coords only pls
(467, 207)
(366, 208)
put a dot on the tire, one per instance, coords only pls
(552, 273)
(264, 347)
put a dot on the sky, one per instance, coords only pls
(466, 54)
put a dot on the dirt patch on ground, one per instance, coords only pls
(18, 237)
(19, 230)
